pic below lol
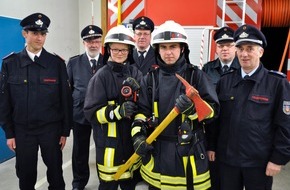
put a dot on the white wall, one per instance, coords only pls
(68, 17)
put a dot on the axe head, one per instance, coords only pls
(203, 110)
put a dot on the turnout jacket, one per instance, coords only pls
(254, 119)
(34, 94)
(112, 134)
(166, 167)
(80, 72)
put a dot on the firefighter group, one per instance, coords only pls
(155, 117)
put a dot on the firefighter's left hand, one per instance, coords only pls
(127, 109)
(141, 147)
(273, 169)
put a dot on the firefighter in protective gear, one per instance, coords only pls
(111, 113)
(177, 158)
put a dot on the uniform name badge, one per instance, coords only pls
(286, 107)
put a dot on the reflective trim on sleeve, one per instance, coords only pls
(140, 116)
(116, 112)
(135, 130)
(101, 115)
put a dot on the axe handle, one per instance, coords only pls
(171, 116)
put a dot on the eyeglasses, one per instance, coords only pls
(123, 51)
(221, 46)
(139, 34)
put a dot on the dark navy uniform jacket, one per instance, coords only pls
(214, 71)
(79, 73)
(34, 94)
(254, 121)
(149, 60)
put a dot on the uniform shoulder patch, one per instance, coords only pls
(9, 55)
(59, 57)
(74, 57)
(277, 73)
(193, 67)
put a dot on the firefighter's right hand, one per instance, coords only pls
(127, 109)
(185, 105)
(141, 147)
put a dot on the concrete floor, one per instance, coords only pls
(9, 180)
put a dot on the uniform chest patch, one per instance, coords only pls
(286, 107)
(260, 98)
(49, 80)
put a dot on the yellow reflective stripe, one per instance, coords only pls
(100, 114)
(109, 157)
(155, 109)
(135, 130)
(140, 116)
(111, 102)
(112, 131)
(116, 112)
(192, 162)
(203, 186)
(173, 180)
(201, 181)
(193, 116)
(148, 175)
(184, 159)
(107, 173)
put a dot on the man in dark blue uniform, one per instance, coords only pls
(143, 54)
(254, 118)
(36, 105)
(80, 70)
(226, 52)
(226, 62)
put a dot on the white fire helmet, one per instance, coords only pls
(169, 32)
(120, 34)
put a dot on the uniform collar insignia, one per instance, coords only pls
(243, 35)
(286, 107)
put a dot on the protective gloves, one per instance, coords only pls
(127, 109)
(132, 83)
(140, 145)
(185, 105)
